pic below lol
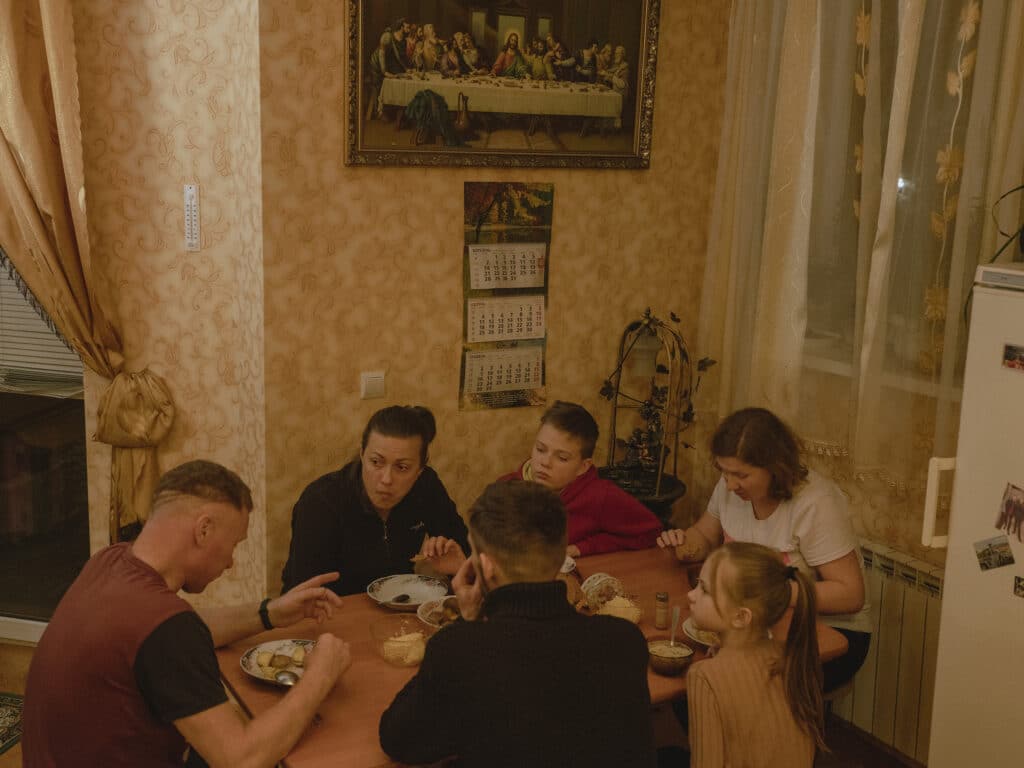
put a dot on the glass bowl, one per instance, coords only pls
(669, 660)
(439, 613)
(400, 639)
(624, 607)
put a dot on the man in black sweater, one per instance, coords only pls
(523, 680)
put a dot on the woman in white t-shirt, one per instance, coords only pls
(767, 496)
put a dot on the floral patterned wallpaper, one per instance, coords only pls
(363, 266)
(170, 95)
(311, 271)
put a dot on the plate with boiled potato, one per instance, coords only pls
(267, 660)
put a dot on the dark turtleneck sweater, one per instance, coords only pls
(531, 683)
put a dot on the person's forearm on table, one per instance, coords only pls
(224, 738)
(231, 622)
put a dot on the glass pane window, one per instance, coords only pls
(44, 513)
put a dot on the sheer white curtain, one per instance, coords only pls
(864, 144)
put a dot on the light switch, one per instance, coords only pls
(371, 384)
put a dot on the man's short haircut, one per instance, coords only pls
(574, 420)
(205, 480)
(522, 525)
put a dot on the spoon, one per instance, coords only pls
(286, 677)
(675, 623)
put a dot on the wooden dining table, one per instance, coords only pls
(345, 729)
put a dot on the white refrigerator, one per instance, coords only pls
(978, 711)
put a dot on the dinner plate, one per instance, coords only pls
(701, 636)
(250, 659)
(419, 588)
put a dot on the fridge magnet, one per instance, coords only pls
(1011, 511)
(1018, 586)
(1013, 356)
(993, 553)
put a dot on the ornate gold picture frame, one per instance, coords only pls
(520, 83)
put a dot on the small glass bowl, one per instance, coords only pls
(669, 660)
(400, 639)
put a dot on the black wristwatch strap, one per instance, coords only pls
(265, 614)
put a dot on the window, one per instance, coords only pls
(44, 515)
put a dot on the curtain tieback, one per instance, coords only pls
(135, 413)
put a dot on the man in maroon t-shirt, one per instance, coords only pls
(126, 675)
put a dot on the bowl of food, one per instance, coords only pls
(669, 659)
(439, 613)
(400, 639)
(599, 588)
(623, 607)
(704, 637)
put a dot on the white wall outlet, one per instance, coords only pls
(371, 384)
(191, 217)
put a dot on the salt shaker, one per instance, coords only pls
(661, 610)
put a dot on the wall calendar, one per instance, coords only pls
(507, 230)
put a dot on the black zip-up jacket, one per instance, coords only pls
(334, 528)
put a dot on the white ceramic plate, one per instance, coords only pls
(700, 636)
(250, 665)
(419, 588)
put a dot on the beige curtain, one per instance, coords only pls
(43, 232)
(864, 145)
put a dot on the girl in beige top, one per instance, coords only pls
(754, 703)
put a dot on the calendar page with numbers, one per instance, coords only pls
(502, 370)
(506, 265)
(505, 319)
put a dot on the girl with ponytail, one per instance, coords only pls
(757, 702)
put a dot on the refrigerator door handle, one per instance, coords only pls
(931, 502)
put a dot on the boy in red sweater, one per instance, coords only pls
(602, 516)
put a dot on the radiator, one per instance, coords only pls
(891, 696)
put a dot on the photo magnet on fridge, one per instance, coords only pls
(1011, 511)
(1018, 586)
(993, 553)
(1013, 356)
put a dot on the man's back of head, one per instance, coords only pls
(204, 480)
(522, 526)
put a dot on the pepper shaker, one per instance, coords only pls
(661, 610)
